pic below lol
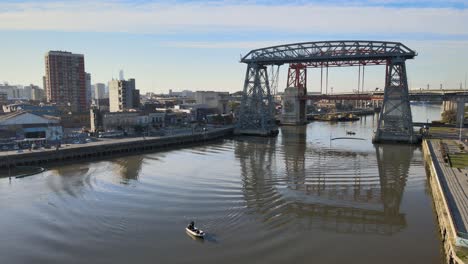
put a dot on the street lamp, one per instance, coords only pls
(462, 120)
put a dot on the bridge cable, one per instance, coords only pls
(321, 77)
(274, 79)
(362, 84)
(326, 86)
(359, 78)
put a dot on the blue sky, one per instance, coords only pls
(197, 44)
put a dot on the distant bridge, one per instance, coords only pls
(414, 95)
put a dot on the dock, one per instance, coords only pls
(108, 147)
(448, 178)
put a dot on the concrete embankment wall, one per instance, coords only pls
(105, 149)
(446, 226)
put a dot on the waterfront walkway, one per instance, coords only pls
(107, 147)
(454, 182)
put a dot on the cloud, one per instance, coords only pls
(192, 17)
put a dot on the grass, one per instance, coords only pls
(459, 160)
(462, 253)
(444, 129)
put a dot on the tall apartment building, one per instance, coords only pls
(12, 91)
(88, 89)
(99, 91)
(123, 95)
(33, 92)
(65, 80)
(37, 94)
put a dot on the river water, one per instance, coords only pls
(297, 198)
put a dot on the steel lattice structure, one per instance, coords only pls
(335, 53)
(257, 105)
(256, 114)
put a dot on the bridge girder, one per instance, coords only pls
(330, 52)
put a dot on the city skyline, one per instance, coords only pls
(197, 45)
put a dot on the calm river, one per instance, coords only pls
(297, 198)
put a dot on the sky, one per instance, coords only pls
(197, 45)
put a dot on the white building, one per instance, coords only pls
(123, 96)
(99, 91)
(218, 100)
(88, 89)
(37, 94)
(12, 91)
(127, 121)
(24, 125)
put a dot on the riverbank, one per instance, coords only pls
(109, 147)
(449, 187)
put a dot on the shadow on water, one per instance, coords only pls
(336, 190)
(211, 238)
(207, 238)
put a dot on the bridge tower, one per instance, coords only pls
(256, 114)
(395, 122)
(294, 102)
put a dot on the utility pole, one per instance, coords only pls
(465, 80)
(462, 120)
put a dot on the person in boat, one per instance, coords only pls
(191, 226)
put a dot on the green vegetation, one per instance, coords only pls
(459, 160)
(462, 253)
(443, 129)
(449, 116)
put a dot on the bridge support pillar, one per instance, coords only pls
(395, 122)
(257, 110)
(293, 112)
(460, 112)
(458, 106)
(294, 102)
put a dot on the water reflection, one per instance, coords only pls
(394, 163)
(331, 189)
(128, 168)
(73, 179)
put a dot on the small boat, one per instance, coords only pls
(195, 232)
(192, 230)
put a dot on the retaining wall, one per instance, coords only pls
(104, 149)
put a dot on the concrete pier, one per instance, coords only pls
(105, 148)
(449, 188)
(294, 108)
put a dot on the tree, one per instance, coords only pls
(449, 116)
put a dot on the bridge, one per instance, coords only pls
(451, 99)
(414, 95)
(256, 115)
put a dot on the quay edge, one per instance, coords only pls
(445, 222)
(109, 149)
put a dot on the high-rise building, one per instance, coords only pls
(65, 80)
(99, 91)
(121, 75)
(123, 95)
(33, 92)
(37, 94)
(88, 89)
(12, 91)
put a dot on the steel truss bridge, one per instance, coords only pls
(414, 95)
(256, 114)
